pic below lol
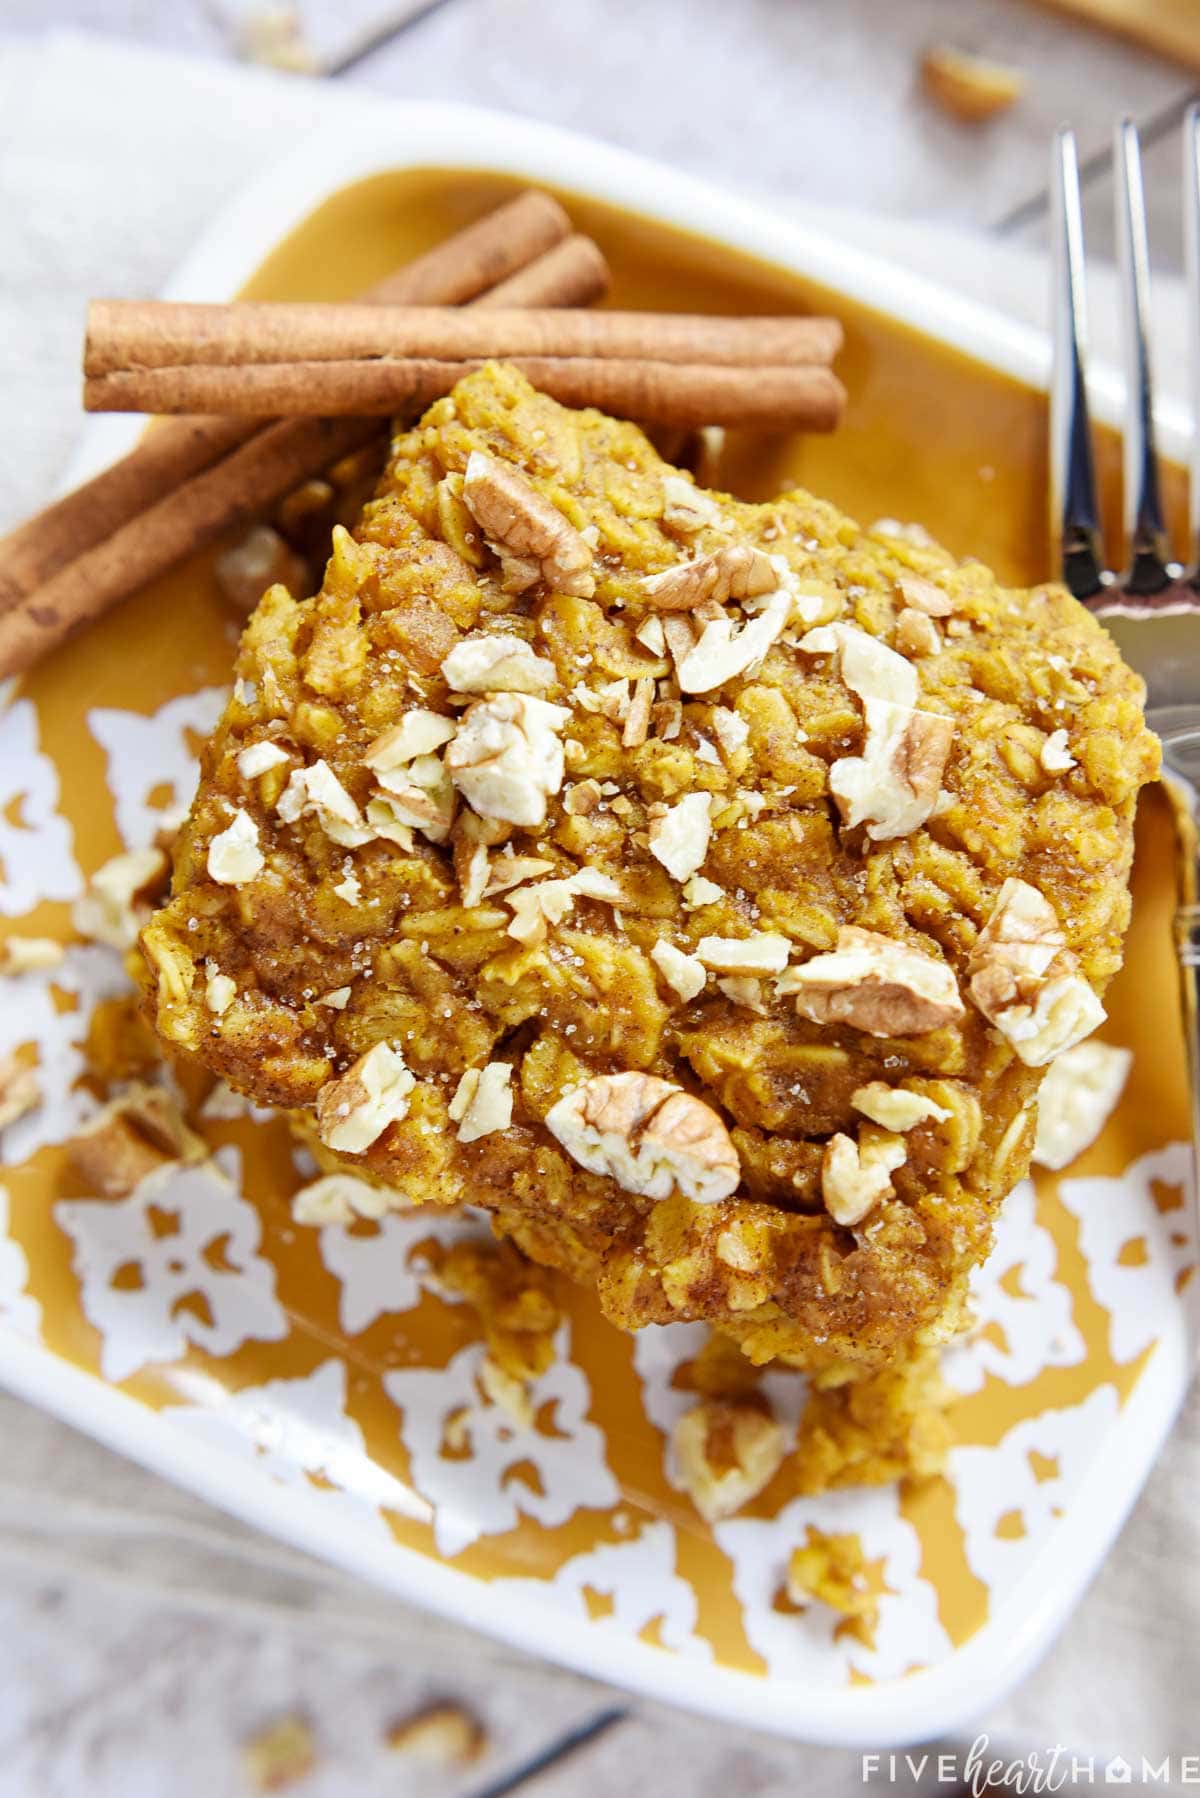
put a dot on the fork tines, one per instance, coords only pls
(1147, 571)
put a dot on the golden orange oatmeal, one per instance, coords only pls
(701, 887)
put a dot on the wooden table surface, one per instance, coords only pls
(146, 1635)
(803, 97)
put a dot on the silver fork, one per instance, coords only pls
(1152, 605)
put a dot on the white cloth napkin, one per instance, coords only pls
(111, 160)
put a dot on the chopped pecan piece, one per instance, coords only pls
(687, 508)
(682, 973)
(317, 790)
(651, 635)
(498, 664)
(856, 1176)
(637, 719)
(513, 871)
(894, 785)
(722, 654)
(220, 990)
(581, 800)
(136, 1134)
(679, 836)
(354, 1110)
(736, 571)
(762, 952)
(667, 718)
(445, 1735)
(1026, 981)
(916, 634)
(19, 1091)
(234, 856)
(895, 1107)
(1055, 756)
(339, 1199)
(647, 1135)
(419, 732)
(876, 984)
(422, 796)
(699, 891)
(730, 729)
(972, 88)
(507, 759)
(259, 758)
(116, 903)
(726, 1453)
(745, 990)
(548, 901)
(483, 1101)
(1081, 1091)
(385, 822)
(924, 596)
(523, 525)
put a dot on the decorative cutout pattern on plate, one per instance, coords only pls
(174, 1263)
(37, 859)
(298, 1431)
(152, 761)
(1023, 1314)
(49, 1011)
(480, 1470)
(19, 1310)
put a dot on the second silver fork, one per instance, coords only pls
(1149, 602)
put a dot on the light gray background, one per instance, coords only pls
(144, 1635)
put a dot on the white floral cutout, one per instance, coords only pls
(807, 1645)
(152, 755)
(376, 1266)
(19, 1310)
(658, 1351)
(1010, 1497)
(37, 857)
(1135, 1252)
(174, 1263)
(51, 1009)
(482, 1492)
(639, 1580)
(298, 1431)
(1036, 1322)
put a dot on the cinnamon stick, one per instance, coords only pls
(128, 337)
(479, 257)
(573, 273)
(499, 248)
(166, 456)
(662, 393)
(231, 492)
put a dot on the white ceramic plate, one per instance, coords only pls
(1049, 1578)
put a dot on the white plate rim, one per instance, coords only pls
(954, 1693)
